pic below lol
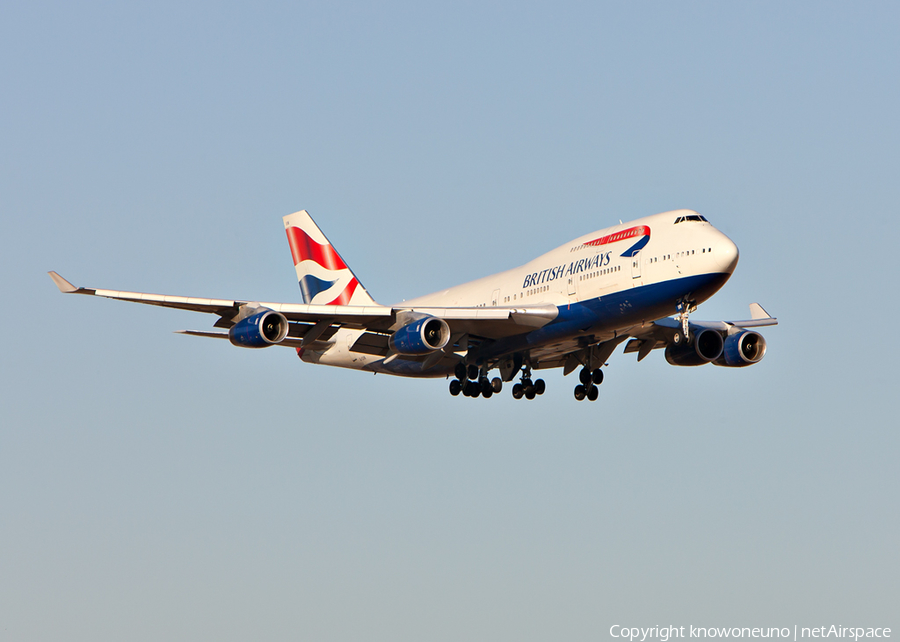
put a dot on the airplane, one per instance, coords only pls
(569, 308)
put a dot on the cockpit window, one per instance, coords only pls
(691, 217)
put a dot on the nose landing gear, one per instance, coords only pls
(684, 309)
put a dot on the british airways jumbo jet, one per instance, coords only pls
(569, 308)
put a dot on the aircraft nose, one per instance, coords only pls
(726, 254)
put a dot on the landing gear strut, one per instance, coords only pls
(684, 310)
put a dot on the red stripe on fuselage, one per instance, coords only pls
(303, 248)
(630, 233)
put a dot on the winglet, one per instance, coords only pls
(758, 318)
(64, 286)
(757, 312)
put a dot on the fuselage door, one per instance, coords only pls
(572, 285)
(636, 266)
(495, 298)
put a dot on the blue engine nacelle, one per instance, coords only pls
(260, 330)
(742, 349)
(420, 337)
(705, 346)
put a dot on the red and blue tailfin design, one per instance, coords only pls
(323, 276)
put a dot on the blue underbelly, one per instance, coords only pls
(604, 314)
(614, 311)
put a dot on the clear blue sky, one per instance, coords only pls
(154, 486)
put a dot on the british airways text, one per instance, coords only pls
(598, 260)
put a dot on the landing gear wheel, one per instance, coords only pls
(486, 388)
(528, 387)
(597, 376)
(593, 393)
(472, 371)
(584, 376)
(518, 391)
(579, 393)
(497, 384)
(455, 387)
(460, 371)
(539, 387)
(471, 389)
(487, 394)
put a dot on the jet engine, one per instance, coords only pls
(707, 345)
(422, 336)
(260, 330)
(742, 349)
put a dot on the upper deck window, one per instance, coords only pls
(691, 217)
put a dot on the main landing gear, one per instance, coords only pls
(528, 388)
(472, 382)
(590, 379)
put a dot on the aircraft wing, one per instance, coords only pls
(660, 333)
(490, 323)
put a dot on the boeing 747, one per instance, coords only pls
(635, 282)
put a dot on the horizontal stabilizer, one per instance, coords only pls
(198, 333)
(287, 342)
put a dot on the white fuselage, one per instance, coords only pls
(674, 256)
